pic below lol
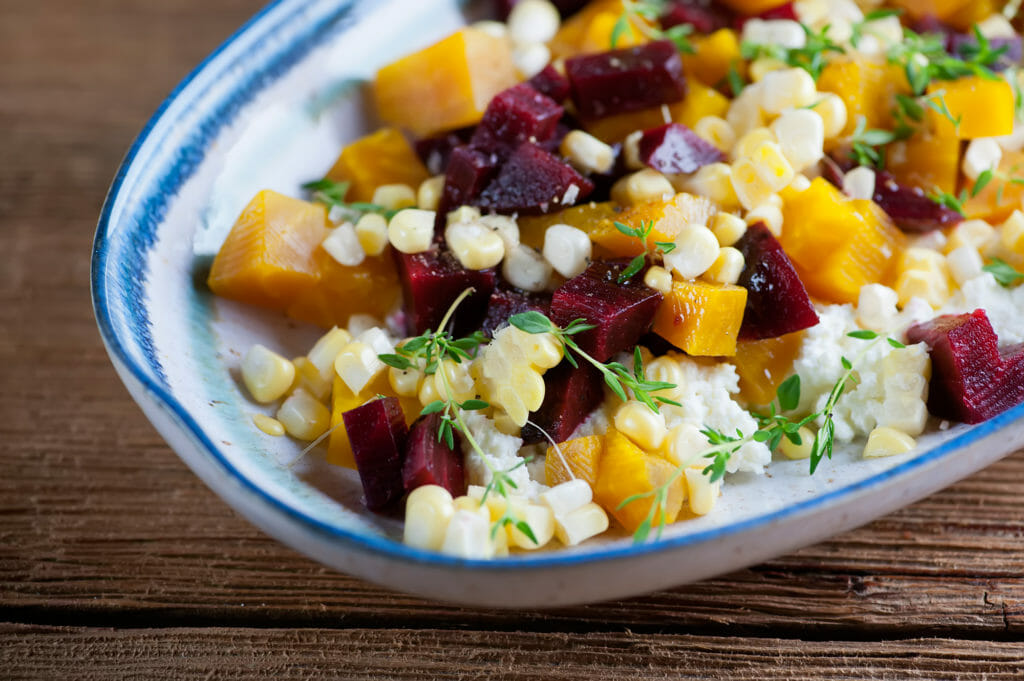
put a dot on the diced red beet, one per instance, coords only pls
(777, 302)
(706, 16)
(432, 280)
(516, 115)
(378, 434)
(534, 181)
(910, 208)
(972, 381)
(435, 151)
(674, 148)
(621, 313)
(625, 80)
(469, 171)
(506, 302)
(551, 82)
(429, 461)
(570, 395)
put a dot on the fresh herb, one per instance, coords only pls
(811, 57)
(641, 233)
(772, 428)
(866, 144)
(951, 201)
(909, 112)
(332, 194)
(1003, 272)
(924, 59)
(501, 484)
(734, 79)
(641, 16)
(616, 375)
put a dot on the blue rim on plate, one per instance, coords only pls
(308, 25)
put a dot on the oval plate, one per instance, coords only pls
(271, 109)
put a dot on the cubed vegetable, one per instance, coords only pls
(626, 470)
(382, 157)
(700, 318)
(983, 107)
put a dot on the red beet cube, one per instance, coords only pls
(552, 83)
(378, 434)
(674, 148)
(429, 461)
(506, 302)
(706, 16)
(626, 80)
(972, 381)
(435, 151)
(910, 208)
(516, 115)
(534, 181)
(431, 281)
(777, 302)
(469, 171)
(570, 395)
(621, 313)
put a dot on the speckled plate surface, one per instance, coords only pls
(271, 109)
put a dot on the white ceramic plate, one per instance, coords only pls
(271, 109)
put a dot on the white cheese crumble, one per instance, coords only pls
(1002, 305)
(503, 453)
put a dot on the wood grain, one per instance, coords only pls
(102, 526)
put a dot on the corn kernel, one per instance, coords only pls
(748, 143)
(727, 266)
(715, 182)
(781, 32)
(696, 250)
(463, 214)
(326, 349)
(582, 524)
(801, 136)
(495, 29)
(505, 227)
(467, 536)
(683, 443)
(540, 350)
(394, 196)
(458, 379)
(772, 166)
(701, 492)
(800, 183)
(659, 279)
(372, 232)
(983, 154)
(587, 153)
(1011, 233)
(342, 244)
(529, 385)
(268, 425)
(727, 228)
(641, 187)
(745, 111)
(303, 416)
(976, 233)
(266, 374)
(751, 189)
(964, 264)
(411, 230)
(472, 503)
(309, 378)
(533, 21)
(542, 524)
(787, 89)
(640, 424)
(357, 364)
(568, 249)
(767, 213)
(716, 131)
(525, 268)
(428, 391)
(832, 110)
(876, 307)
(405, 382)
(762, 66)
(530, 58)
(924, 284)
(887, 442)
(428, 511)
(567, 497)
(631, 150)
(798, 451)
(474, 245)
(859, 183)
(428, 196)
(996, 26)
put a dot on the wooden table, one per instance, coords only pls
(116, 562)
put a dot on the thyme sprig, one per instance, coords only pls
(332, 194)
(642, 16)
(866, 144)
(812, 57)
(641, 233)
(616, 375)
(1005, 274)
(924, 59)
(772, 428)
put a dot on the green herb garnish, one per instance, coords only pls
(1003, 272)
(332, 194)
(641, 233)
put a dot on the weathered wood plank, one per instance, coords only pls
(77, 653)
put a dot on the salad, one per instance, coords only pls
(603, 255)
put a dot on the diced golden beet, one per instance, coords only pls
(971, 13)
(926, 161)
(445, 86)
(1000, 197)
(867, 88)
(837, 244)
(751, 7)
(714, 54)
(590, 30)
(583, 456)
(939, 9)
(268, 257)
(984, 107)
(384, 157)
(371, 287)
(763, 365)
(626, 470)
(700, 101)
(587, 217)
(339, 449)
(670, 218)
(700, 318)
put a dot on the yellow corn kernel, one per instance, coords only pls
(1011, 234)
(751, 189)
(587, 153)
(577, 526)
(640, 424)
(631, 150)
(266, 374)
(394, 196)
(716, 131)
(746, 145)
(468, 534)
(463, 214)
(540, 350)
(798, 451)
(372, 233)
(964, 264)
(458, 380)
(411, 230)
(832, 110)
(768, 213)
(405, 382)
(701, 492)
(427, 512)
(787, 89)
(308, 378)
(727, 266)
(772, 165)
(428, 195)
(268, 425)
(326, 349)
(659, 279)
(727, 228)
(715, 182)
(542, 523)
(567, 496)
(887, 442)
(641, 187)
(357, 364)
(474, 245)
(428, 391)
(923, 284)
(977, 234)
(762, 66)
(683, 443)
(303, 416)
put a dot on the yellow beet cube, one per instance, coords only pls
(582, 455)
(626, 470)
(713, 56)
(926, 161)
(866, 87)
(984, 107)
(383, 157)
(700, 318)
(670, 218)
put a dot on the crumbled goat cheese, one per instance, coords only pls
(503, 453)
(1002, 305)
